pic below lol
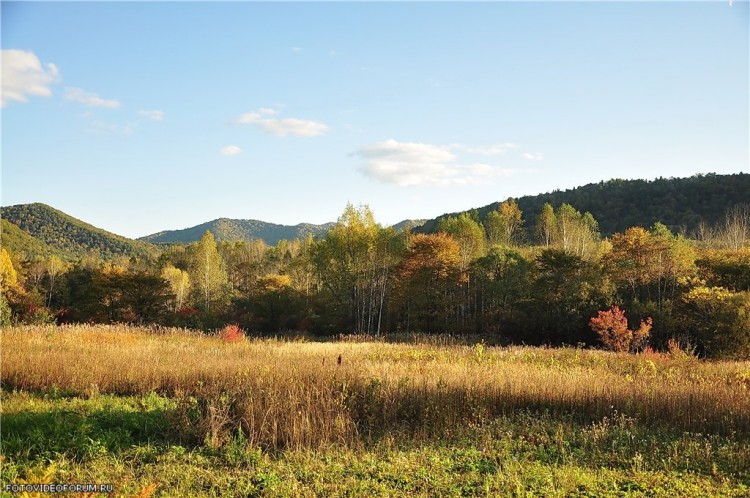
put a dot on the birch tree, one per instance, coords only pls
(208, 272)
(179, 283)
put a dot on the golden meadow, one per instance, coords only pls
(171, 412)
(292, 394)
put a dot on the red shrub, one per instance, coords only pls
(232, 333)
(612, 327)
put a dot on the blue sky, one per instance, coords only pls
(141, 117)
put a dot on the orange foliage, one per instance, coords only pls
(433, 257)
(612, 327)
(232, 333)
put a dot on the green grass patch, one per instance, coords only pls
(131, 443)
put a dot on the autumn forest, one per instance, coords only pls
(499, 275)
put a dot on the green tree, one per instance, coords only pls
(503, 281)
(275, 305)
(145, 297)
(245, 261)
(726, 268)
(111, 294)
(566, 291)
(302, 271)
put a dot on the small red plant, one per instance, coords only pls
(612, 327)
(232, 333)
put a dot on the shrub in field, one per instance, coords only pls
(612, 327)
(681, 348)
(232, 333)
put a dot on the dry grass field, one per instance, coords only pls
(135, 405)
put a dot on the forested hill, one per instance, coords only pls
(24, 245)
(229, 229)
(679, 203)
(63, 235)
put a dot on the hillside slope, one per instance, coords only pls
(679, 203)
(19, 242)
(68, 236)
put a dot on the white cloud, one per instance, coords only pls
(535, 156)
(152, 115)
(24, 75)
(230, 150)
(296, 49)
(89, 99)
(412, 164)
(281, 127)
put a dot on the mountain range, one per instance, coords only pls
(680, 203)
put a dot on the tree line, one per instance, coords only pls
(491, 277)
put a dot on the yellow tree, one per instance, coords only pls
(546, 225)
(469, 235)
(353, 263)
(55, 267)
(179, 283)
(208, 272)
(429, 276)
(576, 233)
(8, 284)
(8, 274)
(503, 225)
(649, 263)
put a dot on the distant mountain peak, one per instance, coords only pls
(228, 229)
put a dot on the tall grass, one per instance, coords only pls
(290, 395)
